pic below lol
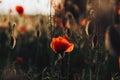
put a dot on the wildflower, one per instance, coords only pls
(84, 22)
(22, 29)
(60, 45)
(20, 60)
(119, 62)
(20, 10)
(4, 27)
(118, 11)
(59, 23)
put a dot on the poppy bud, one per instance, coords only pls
(20, 60)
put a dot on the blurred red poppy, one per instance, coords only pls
(84, 22)
(60, 45)
(118, 11)
(58, 22)
(119, 62)
(4, 27)
(22, 29)
(20, 60)
(20, 10)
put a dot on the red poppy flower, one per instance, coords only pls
(84, 22)
(60, 45)
(20, 10)
(20, 60)
(119, 62)
(4, 27)
(118, 11)
(22, 29)
(58, 22)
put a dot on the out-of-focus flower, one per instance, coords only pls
(22, 29)
(119, 62)
(4, 27)
(84, 22)
(20, 60)
(118, 11)
(60, 45)
(20, 10)
(58, 21)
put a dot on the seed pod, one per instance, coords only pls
(89, 28)
(12, 42)
(112, 41)
(38, 33)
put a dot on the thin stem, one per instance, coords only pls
(90, 74)
(83, 74)
(68, 66)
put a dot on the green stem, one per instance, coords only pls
(68, 66)
(90, 74)
(83, 74)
